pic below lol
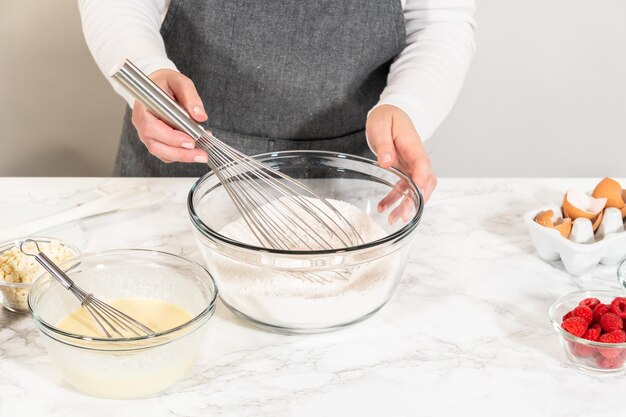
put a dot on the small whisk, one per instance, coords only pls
(108, 319)
(282, 212)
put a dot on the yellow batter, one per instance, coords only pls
(156, 314)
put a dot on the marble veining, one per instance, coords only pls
(466, 332)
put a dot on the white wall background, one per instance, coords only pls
(58, 116)
(546, 95)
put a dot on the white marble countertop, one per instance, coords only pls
(466, 332)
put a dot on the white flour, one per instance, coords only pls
(286, 299)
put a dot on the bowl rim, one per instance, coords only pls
(621, 278)
(9, 244)
(556, 321)
(207, 311)
(402, 232)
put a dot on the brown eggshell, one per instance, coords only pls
(564, 227)
(611, 190)
(544, 218)
(597, 221)
(573, 212)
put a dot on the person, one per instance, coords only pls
(351, 76)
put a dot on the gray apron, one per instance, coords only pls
(277, 75)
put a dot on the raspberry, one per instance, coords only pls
(616, 336)
(620, 314)
(589, 302)
(584, 312)
(610, 322)
(611, 353)
(599, 311)
(609, 363)
(583, 350)
(619, 302)
(568, 315)
(596, 327)
(592, 334)
(576, 325)
(618, 306)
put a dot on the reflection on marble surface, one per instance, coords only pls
(466, 332)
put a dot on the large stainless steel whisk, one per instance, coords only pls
(108, 319)
(281, 212)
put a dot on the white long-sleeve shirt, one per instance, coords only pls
(424, 80)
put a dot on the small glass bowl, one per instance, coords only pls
(14, 295)
(134, 367)
(596, 357)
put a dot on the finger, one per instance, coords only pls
(430, 186)
(169, 153)
(404, 210)
(186, 94)
(408, 208)
(415, 160)
(378, 131)
(410, 149)
(394, 195)
(150, 127)
(420, 169)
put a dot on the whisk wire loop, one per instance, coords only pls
(274, 205)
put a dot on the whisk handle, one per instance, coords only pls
(54, 270)
(46, 262)
(156, 100)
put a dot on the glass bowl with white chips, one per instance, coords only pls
(304, 291)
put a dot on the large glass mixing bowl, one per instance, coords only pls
(278, 289)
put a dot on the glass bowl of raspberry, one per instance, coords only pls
(590, 325)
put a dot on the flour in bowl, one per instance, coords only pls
(284, 292)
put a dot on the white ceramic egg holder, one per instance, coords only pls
(577, 258)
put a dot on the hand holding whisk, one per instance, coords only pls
(282, 212)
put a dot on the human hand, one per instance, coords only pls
(161, 140)
(396, 143)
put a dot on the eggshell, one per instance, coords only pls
(547, 218)
(598, 221)
(564, 226)
(582, 231)
(544, 218)
(611, 190)
(611, 223)
(578, 204)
